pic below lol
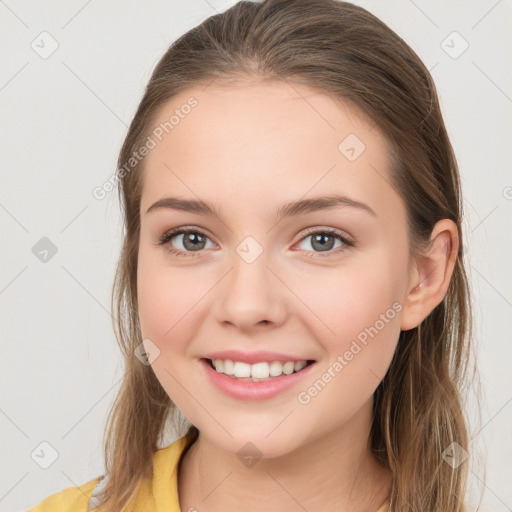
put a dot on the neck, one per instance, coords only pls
(333, 472)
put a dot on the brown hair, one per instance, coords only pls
(346, 52)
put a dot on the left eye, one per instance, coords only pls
(323, 241)
(193, 241)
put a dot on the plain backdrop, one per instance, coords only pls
(71, 76)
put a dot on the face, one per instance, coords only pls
(324, 282)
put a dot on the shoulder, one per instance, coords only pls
(71, 499)
(163, 488)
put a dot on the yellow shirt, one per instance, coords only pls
(159, 495)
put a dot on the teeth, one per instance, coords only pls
(239, 370)
(276, 368)
(288, 367)
(257, 371)
(229, 367)
(300, 364)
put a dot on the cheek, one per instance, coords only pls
(171, 305)
(357, 306)
(363, 310)
(153, 296)
(352, 296)
(164, 298)
(166, 314)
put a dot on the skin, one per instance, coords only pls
(248, 148)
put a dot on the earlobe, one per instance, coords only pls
(433, 274)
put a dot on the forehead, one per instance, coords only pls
(256, 142)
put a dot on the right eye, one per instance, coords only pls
(191, 240)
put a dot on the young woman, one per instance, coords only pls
(291, 288)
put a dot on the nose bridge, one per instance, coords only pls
(251, 293)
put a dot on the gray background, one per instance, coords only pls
(64, 119)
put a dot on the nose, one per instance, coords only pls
(251, 296)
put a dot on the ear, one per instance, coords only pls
(431, 278)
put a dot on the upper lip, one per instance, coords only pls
(252, 357)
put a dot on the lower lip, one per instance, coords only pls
(247, 390)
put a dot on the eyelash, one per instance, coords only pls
(169, 235)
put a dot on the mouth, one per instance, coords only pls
(258, 372)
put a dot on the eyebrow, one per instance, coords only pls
(294, 208)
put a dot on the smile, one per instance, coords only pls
(249, 386)
(257, 372)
